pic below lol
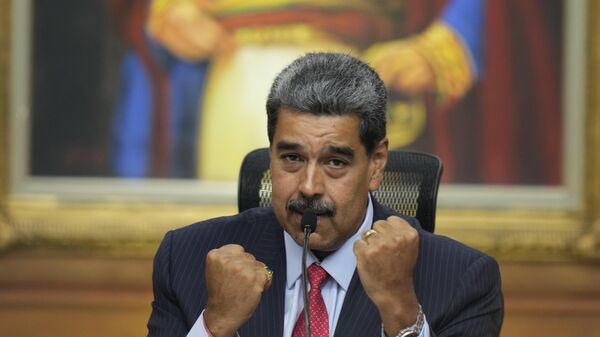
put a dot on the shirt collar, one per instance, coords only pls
(339, 265)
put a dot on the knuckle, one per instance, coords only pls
(379, 223)
(242, 271)
(371, 253)
(213, 255)
(380, 226)
(238, 269)
(359, 247)
(396, 220)
(412, 235)
(235, 247)
(385, 246)
(249, 257)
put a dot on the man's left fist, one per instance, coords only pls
(385, 258)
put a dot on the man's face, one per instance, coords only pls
(319, 162)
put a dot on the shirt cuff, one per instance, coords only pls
(199, 329)
(425, 331)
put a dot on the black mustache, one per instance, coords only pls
(318, 206)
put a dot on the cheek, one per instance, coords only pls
(350, 201)
(282, 189)
(345, 206)
(350, 191)
(351, 208)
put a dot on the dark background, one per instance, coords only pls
(76, 56)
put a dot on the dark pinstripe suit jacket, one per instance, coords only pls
(458, 287)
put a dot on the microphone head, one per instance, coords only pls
(309, 220)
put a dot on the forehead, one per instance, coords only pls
(309, 129)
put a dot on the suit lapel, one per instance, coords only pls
(359, 316)
(379, 211)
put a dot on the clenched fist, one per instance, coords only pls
(235, 281)
(385, 259)
(187, 29)
(401, 67)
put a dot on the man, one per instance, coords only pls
(383, 275)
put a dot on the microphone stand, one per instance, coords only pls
(307, 231)
(309, 224)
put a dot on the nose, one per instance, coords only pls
(311, 184)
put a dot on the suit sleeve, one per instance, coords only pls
(166, 319)
(477, 306)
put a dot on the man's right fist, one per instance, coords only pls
(235, 281)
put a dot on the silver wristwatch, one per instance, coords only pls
(411, 331)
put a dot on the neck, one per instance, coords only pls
(321, 255)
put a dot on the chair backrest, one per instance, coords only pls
(409, 186)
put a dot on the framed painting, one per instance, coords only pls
(112, 113)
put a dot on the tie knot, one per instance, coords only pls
(316, 276)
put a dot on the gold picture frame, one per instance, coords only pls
(138, 224)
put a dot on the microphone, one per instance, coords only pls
(308, 224)
(309, 221)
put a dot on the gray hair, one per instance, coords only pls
(331, 84)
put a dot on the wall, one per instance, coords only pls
(55, 287)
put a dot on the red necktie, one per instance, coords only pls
(319, 321)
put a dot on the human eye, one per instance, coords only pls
(291, 162)
(336, 163)
(291, 158)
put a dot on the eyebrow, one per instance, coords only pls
(287, 146)
(342, 150)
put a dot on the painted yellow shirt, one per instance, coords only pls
(233, 113)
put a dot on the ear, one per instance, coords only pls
(377, 162)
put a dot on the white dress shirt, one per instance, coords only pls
(340, 265)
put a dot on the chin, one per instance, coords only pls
(319, 245)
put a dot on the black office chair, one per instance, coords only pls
(409, 186)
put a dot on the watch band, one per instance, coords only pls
(411, 331)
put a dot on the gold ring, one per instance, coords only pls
(369, 233)
(269, 273)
